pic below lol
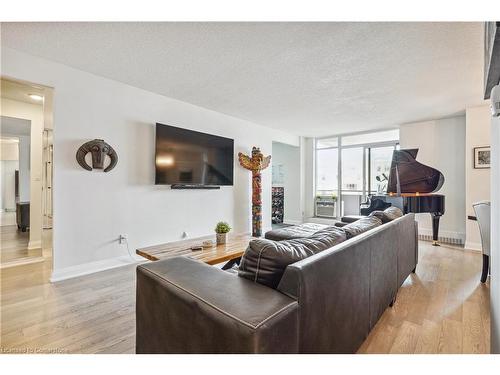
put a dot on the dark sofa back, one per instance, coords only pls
(343, 291)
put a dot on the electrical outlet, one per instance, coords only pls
(122, 238)
(185, 234)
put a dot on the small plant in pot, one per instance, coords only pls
(221, 230)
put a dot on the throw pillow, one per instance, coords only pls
(361, 226)
(265, 261)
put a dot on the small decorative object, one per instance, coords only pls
(482, 157)
(208, 244)
(278, 204)
(255, 164)
(99, 149)
(222, 228)
(382, 185)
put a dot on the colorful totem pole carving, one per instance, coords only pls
(255, 164)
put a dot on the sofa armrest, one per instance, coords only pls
(185, 306)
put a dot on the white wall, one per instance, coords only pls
(20, 152)
(19, 129)
(9, 150)
(495, 237)
(441, 145)
(7, 184)
(25, 168)
(9, 162)
(477, 181)
(33, 113)
(91, 209)
(308, 187)
(289, 158)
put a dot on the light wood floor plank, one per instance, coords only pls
(450, 339)
(406, 338)
(473, 337)
(428, 340)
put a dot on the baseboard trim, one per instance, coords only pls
(32, 245)
(476, 246)
(321, 220)
(445, 236)
(92, 267)
(21, 262)
(292, 222)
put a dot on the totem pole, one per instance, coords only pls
(255, 164)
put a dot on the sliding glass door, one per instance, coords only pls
(365, 170)
(349, 168)
(327, 178)
(352, 171)
(379, 167)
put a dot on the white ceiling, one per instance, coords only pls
(308, 78)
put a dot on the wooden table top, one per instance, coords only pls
(234, 248)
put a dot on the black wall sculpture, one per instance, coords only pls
(99, 149)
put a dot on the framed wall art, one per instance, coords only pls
(482, 156)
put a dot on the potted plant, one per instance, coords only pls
(221, 230)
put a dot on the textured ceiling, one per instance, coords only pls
(308, 78)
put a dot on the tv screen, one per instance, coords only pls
(189, 157)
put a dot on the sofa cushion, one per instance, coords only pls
(381, 215)
(351, 218)
(389, 214)
(394, 212)
(265, 261)
(362, 225)
(295, 231)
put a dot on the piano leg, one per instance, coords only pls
(435, 228)
(486, 265)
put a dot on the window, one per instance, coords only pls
(327, 143)
(370, 138)
(365, 162)
(352, 169)
(327, 179)
(379, 169)
(326, 172)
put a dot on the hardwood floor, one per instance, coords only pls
(14, 245)
(443, 308)
(89, 314)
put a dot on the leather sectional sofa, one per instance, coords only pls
(322, 293)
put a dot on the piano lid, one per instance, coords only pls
(411, 175)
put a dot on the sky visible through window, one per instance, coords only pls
(353, 159)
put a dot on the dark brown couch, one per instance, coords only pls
(325, 303)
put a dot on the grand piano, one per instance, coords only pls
(412, 186)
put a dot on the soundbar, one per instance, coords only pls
(193, 186)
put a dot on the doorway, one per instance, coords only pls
(285, 163)
(26, 158)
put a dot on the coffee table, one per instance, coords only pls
(230, 252)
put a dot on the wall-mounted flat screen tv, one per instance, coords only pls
(192, 158)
